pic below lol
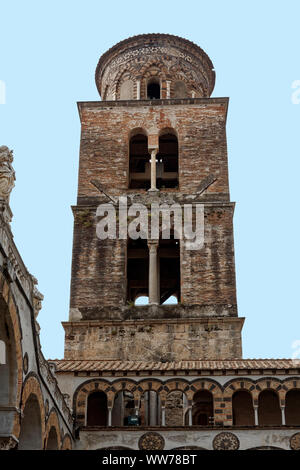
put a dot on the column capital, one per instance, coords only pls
(152, 245)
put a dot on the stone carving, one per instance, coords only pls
(151, 441)
(37, 298)
(226, 441)
(295, 441)
(7, 173)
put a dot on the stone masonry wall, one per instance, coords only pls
(156, 340)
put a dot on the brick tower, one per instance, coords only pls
(156, 136)
(162, 375)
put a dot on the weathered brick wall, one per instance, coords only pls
(200, 125)
(99, 267)
(208, 274)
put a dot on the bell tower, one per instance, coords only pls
(156, 137)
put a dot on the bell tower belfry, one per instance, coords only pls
(155, 137)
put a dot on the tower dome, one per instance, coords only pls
(154, 66)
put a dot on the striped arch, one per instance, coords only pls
(271, 383)
(174, 385)
(210, 386)
(121, 77)
(147, 385)
(81, 395)
(32, 386)
(206, 384)
(53, 421)
(150, 66)
(66, 443)
(126, 385)
(292, 383)
(238, 384)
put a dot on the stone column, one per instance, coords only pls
(153, 291)
(163, 416)
(153, 170)
(153, 407)
(168, 89)
(109, 416)
(282, 415)
(138, 89)
(255, 415)
(146, 408)
(190, 416)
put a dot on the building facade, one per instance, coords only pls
(167, 374)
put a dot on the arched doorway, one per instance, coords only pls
(31, 427)
(203, 408)
(97, 409)
(269, 413)
(242, 408)
(292, 408)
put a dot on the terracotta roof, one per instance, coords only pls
(90, 365)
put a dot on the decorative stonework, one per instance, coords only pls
(151, 441)
(295, 441)
(170, 58)
(7, 173)
(226, 441)
(37, 298)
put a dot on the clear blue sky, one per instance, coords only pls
(48, 55)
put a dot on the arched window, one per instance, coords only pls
(97, 409)
(139, 165)
(269, 413)
(292, 408)
(242, 408)
(153, 89)
(203, 408)
(31, 426)
(167, 165)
